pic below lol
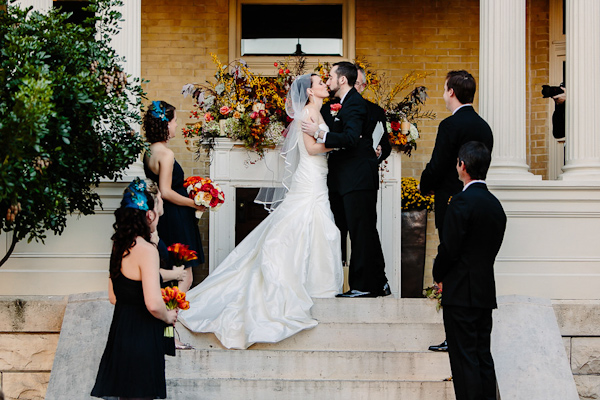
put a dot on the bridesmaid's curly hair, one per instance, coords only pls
(130, 223)
(156, 129)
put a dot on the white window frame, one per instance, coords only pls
(264, 64)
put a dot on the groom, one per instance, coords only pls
(353, 180)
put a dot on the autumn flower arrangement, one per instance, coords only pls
(241, 105)
(402, 116)
(204, 192)
(412, 199)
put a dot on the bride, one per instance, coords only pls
(262, 291)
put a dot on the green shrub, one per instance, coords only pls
(66, 116)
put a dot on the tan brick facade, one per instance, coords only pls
(395, 36)
(177, 40)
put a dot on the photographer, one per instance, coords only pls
(559, 95)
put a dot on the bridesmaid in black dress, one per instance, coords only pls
(179, 223)
(133, 363)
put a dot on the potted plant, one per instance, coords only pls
(414, 228)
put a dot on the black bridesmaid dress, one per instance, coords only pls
(179, 223)
(133, 363)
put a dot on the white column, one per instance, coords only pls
(128, 43)
(582, 159)
(502, 85)
(38, 5)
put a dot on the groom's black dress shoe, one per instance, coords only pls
(355, 293)
(440, 347)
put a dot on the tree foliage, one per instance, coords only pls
(66, 116)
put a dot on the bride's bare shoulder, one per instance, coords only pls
(311, 113)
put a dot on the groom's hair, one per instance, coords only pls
(347, 69)
(463, 85)
(477, 159)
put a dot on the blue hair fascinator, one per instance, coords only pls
(158, 111)
(134, 196)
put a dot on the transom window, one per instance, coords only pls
(292, 29)
(264, 31)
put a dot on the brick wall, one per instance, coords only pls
(436, 37)
(428, 36)
(538, 74)
(396, 37)
(177, 39)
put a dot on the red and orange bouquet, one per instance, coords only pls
(181, 254)
(173, 298)
(204, 192)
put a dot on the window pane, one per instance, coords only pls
(318, 29)
(76, 8)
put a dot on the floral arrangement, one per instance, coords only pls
(241, 105)
(173, 298)
(434, 293)
(204, 193)
(181, 254)
(402, 116)
(412, 199)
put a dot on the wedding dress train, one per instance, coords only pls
(262, 291)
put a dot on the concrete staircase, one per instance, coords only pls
(361, 349)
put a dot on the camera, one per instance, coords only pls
(551, 91)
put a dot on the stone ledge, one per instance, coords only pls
(27, 352)
(25, 386)
(577, 317)
(32, 313)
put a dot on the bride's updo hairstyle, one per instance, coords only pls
(156, 121)
(130, 223)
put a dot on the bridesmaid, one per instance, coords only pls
(179, 223)
(133, 363)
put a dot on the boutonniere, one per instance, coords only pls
(335, 108)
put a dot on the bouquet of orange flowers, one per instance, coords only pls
(204, 192)
(434, 293)
(181, 253)
(173, 298)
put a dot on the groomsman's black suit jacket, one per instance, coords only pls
(473, 232)
(354, 166)
(440, 174)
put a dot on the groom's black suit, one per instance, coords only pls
(353, 181)
(473, 232)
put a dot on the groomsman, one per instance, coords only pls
(353, 180)
(464, 268)
(464, 125)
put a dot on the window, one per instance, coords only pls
(264, 31)
(74, 7)
(289, 32)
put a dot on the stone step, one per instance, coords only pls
(377, 310)
(309, 365)
(279, 389)
(341, 336)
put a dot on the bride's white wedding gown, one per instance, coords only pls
(262, 291)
